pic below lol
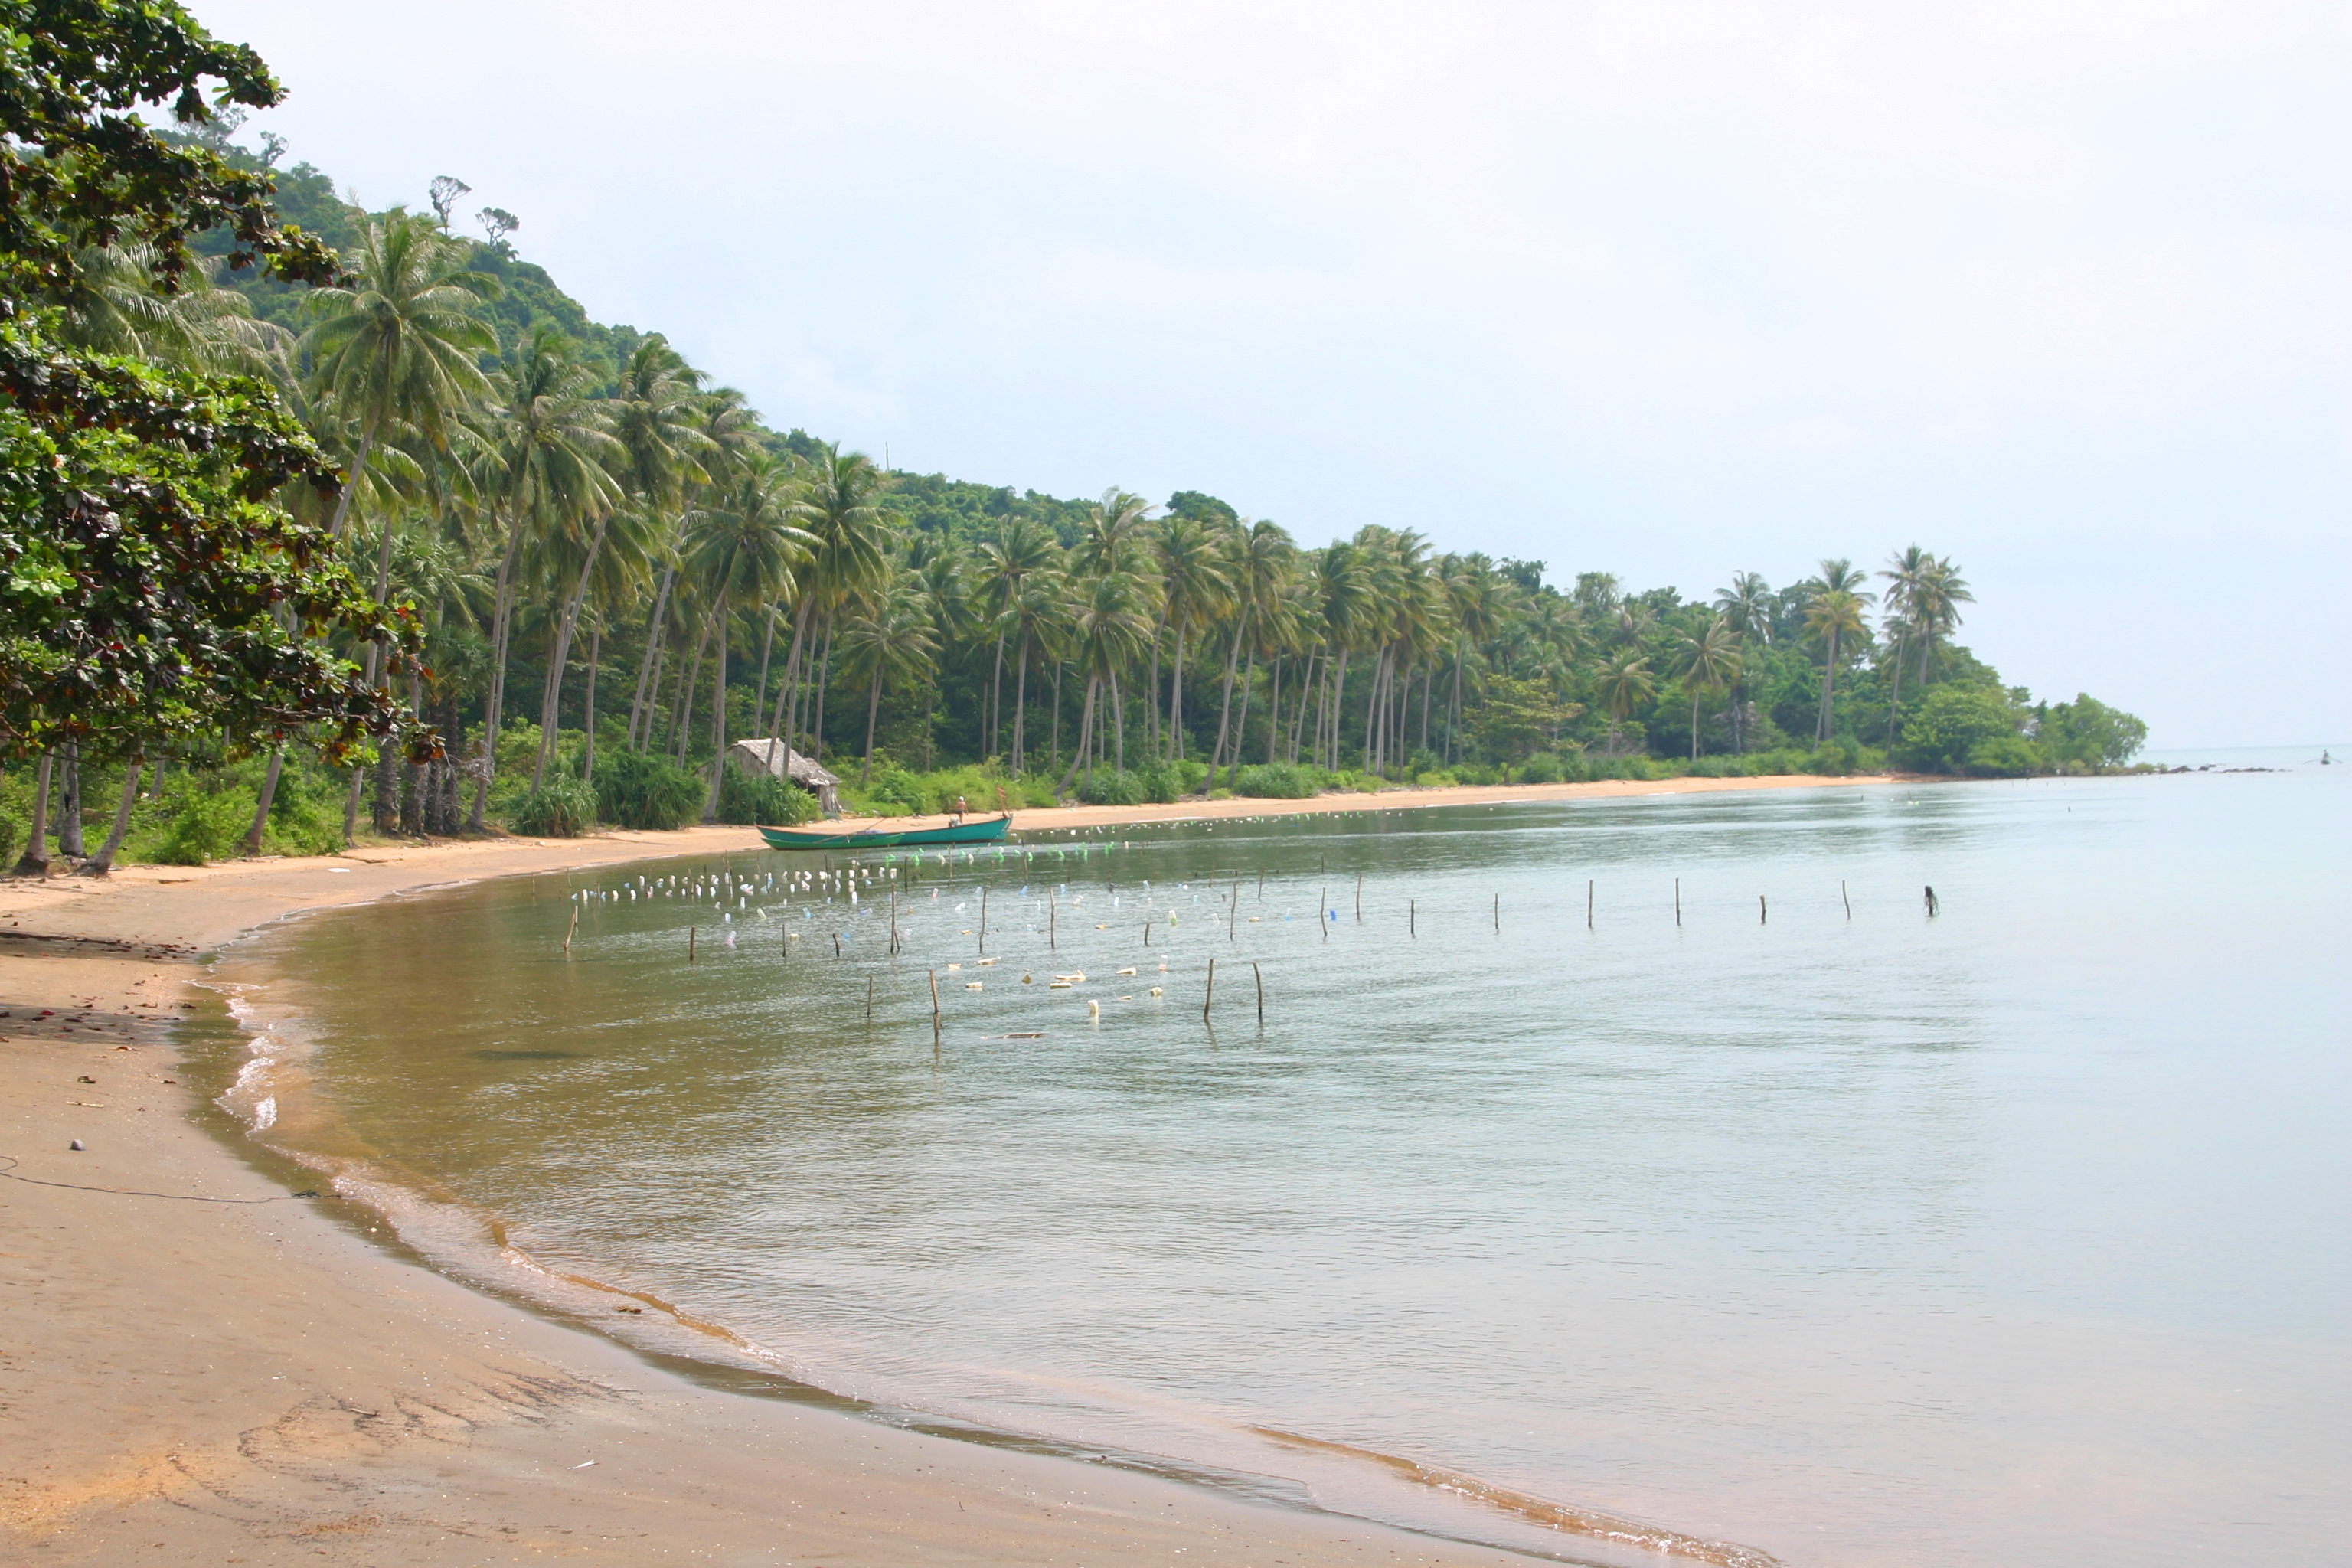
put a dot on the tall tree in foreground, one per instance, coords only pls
(150, 590)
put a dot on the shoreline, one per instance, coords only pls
(236, 1374)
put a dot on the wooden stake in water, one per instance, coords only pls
(1412, 925)
(1146, 933)
(1762, 914)
(1588, 904)
(568, 930)
(1232, 916)
(1360, 898)
(1678, 902)
(1933, 908)
(1052, 923)
(1260, 973)
(935, 1010)
(1845, 901)
(894, 922)
(1261, 885)
(1323, 910)
(869, 1000)
(836, 947)
(1499, 914)
(984, 919)
(1211, 994)
(689, 944)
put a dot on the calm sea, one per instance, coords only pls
(1664, 1157)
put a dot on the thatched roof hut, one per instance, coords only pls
(779, 761)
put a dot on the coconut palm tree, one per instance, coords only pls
(1936, 604)
(1625, 682)
(1833, 615)
(404, 341)
(1709, 663)
(654, 422)
(740, 548)
(1261, 559)
(889, 638)
(1109, 625)
(1196, 587)
(840, 505)
(546, 443)
(1022, 547)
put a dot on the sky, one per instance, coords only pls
(2061, 291)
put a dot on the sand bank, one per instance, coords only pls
(198, 1368)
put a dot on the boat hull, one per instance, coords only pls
(988, 832)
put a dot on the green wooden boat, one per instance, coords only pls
(988, 832)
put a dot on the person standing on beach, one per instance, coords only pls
(960, 807)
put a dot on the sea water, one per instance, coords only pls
(1670, 1158)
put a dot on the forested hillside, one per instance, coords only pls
(613, 568)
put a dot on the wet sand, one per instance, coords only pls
(199, 1368)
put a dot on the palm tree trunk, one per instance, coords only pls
(718, 714)
(1338, 697)
(873, 707)
(646, 677)
(596, 651)
(1085, 731)
(261, 805)
(1020, 704)
(1225, 705)
(1694, 756)
(1176, 701)
(411, 804)
(1242, 724)
(1829, 692)
(501, 616)
(824, 683)
(352, 481)
(689, 682)
(788, 694)
(104, 862)
(551, 711)
(1118, 721)
(34, 861)
(767, 647)
(69, 843)
(996, 698)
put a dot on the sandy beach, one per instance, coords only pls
(200, 1368)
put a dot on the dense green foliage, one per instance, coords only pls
(435, 450)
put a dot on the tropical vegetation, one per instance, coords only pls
(485, 562)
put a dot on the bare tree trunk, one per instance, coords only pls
(1118, 717)
(69, 843)
(34, 861)
(104, 862)
(261, 806)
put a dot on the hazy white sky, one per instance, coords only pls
(1671, 290)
